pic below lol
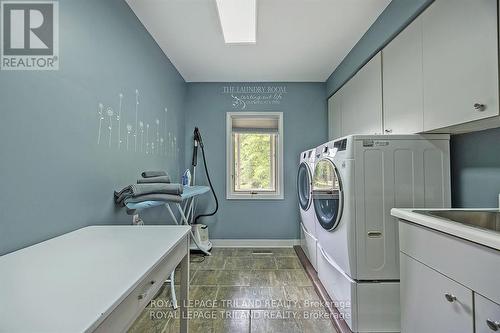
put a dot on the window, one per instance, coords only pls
(254, 155)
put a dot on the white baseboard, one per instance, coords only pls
(255, 242)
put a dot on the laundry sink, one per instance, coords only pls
(485, 219)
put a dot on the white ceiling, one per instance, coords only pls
(297, 40)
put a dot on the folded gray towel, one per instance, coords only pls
(160, 179)
(125, 190)
(154, 197)
(137, 190)
(161, 188)
(149, 174)
(119, 197)
(122, 195)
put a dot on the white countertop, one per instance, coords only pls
(477, 235)
(72, 282)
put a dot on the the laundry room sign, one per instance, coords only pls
(246, 96)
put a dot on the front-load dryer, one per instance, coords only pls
(307, 217)
(333, 203)
(357, 181)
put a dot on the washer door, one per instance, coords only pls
(304, 186)
(327, 194)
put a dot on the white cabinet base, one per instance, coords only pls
(365, 306)
(466, 262)
(487, 315)
(424, 303)
(443, 280)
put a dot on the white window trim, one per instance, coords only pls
(232, 195)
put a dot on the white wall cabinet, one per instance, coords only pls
(335, 116)
(460, 62)
(357, 107)
(439, 75)
(362, 100)
(403, 82)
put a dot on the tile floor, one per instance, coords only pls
(243, 290)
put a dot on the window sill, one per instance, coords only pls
(261, 196)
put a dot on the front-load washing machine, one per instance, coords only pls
(357, 181)
(308, 238)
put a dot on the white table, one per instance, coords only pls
(95, 279)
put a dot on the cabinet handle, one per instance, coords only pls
(479, 107)
(450, 298)
(493, 325)
(388, 131)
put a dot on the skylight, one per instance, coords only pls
(238, 20)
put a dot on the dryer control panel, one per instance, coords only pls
(311, 156)
(331, 148)
(341, 145)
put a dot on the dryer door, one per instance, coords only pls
(327, 194)
(304, 186)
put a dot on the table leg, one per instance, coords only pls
(172, 290)
(184, 295)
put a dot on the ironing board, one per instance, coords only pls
(186, 212)
(187, 199)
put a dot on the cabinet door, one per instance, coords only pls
(487, 315)
(460, 61)
(362, 100)
(431, 302)
(335, 116)
(350, 124)
(403, 82)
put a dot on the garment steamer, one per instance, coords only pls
(200, 231)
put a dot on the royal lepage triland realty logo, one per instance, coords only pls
(29, 35)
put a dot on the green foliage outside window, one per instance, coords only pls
(254, 161)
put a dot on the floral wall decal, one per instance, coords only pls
(138, 138)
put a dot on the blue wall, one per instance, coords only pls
(476, 169)
(397, 15)
(305, 126)
(55, 177)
